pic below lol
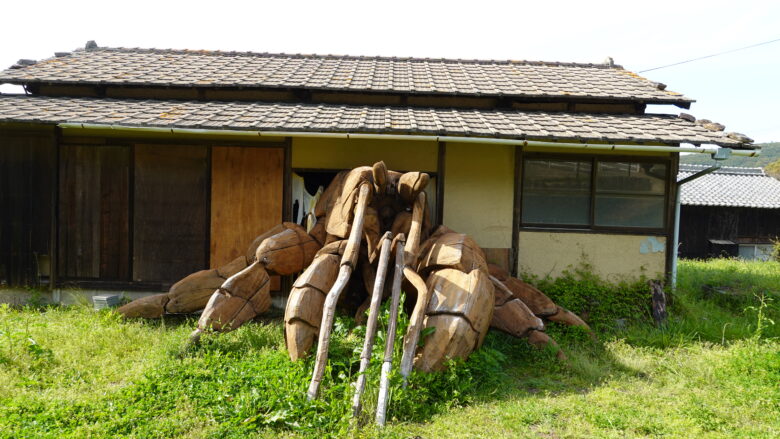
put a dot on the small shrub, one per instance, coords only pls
(605, 306)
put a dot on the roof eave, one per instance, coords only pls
(681, 101)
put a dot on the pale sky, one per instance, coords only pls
(739, 90)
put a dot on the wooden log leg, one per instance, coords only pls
(373, 317)
(658, 302)
(459, 311)
(510, 314)
(303, 314)
(243, 296)
(149, 307)
(541, 340)
(569, 318)
(418, 314)
(185, 296)
(412, 336)
(288, 251)
(387, 364)
(348, 261)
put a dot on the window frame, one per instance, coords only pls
(594, 159)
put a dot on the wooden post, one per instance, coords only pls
(387, 365)
(373, 317)
(659, 302)
(54, 241)
(418, 314)
(415, 322)
(440, 176)
(345, 271)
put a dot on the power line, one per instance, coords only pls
(713, 55)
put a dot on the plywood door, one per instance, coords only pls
(246, 198)
(170, 212)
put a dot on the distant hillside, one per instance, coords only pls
(773, 169)
(770, 152)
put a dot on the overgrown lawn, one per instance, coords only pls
(713, 371)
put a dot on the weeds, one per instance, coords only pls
(712, 371)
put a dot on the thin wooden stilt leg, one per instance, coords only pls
(373, 316)
(348, 261)
(387, 365)
(415, 322)
(418, 315)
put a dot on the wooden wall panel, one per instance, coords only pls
(169, 212)
(246, 198)
(699, 224)
(115, 213)
(94, 206)
(26, 172)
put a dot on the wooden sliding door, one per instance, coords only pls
(93, 225)
(170, 212)
(246, 198)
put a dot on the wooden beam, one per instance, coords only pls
(516, 212)
(208, 217)
(440, 176)
(54, 238)
(671, 198)
(286, 281)
(287, 184)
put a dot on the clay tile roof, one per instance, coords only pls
(573, 127)
(731, 187)
(187, 68)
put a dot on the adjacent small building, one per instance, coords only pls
(731, 212)
(126, 169)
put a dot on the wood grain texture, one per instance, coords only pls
(510, 314)
(94, 209)
(246, 198)
(376, 299)
(169, 217)
(287, 252)
(193, 292)
(303, 314)
(460, 308)
(454, 250)
(498, 256)
(148, 307)
(453, 338)
(347, 264)
(26, 173)
(341, 212)
(537, 302)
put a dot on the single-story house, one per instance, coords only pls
(732, 211)
(126, 169)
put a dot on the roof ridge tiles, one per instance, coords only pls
(133, 67)
(728, 170)
(352, 57)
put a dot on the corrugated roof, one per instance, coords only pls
(182, 68)
(621, 128)
(730, 187)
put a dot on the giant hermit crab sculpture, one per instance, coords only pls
(363, 217)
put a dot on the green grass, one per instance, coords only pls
(712, 371)
(773, 169)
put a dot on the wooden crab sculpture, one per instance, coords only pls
(363, 217)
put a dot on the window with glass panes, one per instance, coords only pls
(593, 193)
